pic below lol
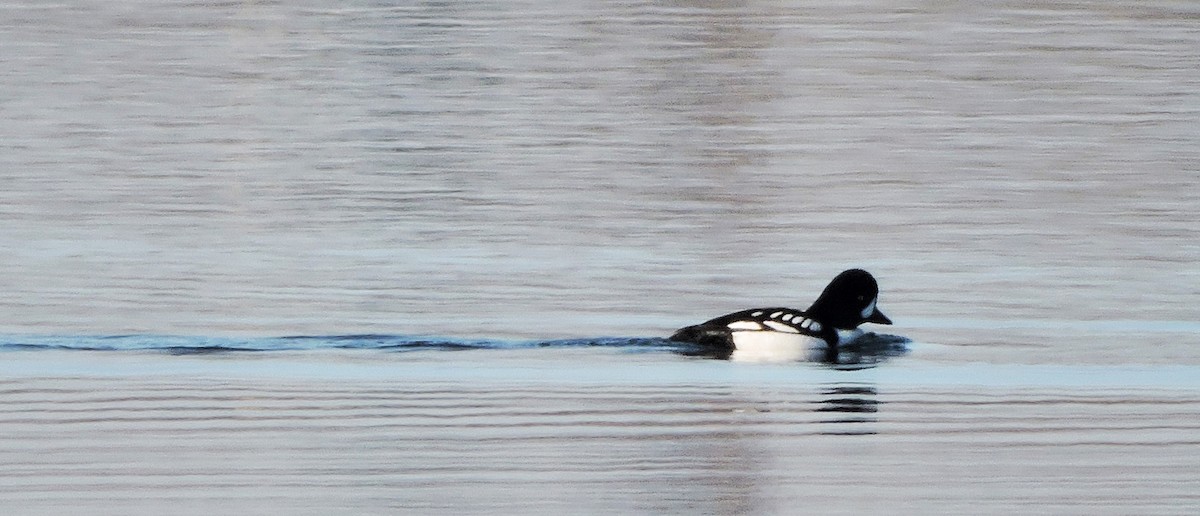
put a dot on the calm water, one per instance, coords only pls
(501, 206)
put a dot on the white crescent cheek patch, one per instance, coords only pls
(869, 309)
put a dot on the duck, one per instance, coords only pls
(776, 334)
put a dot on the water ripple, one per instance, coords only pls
(870, 349)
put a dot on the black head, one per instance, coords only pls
(849, 301)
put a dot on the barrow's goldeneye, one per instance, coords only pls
(775, 334)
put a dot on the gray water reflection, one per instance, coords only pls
(584, 430)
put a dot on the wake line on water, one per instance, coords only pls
(399, 343)
(866, 351)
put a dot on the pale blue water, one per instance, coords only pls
(375, 258)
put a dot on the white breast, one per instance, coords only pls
(848, 336)
(772, 346)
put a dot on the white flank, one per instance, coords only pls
(777, 326)
(870, 308)
(744, 325)
(771, 346)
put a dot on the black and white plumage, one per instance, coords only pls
(788, 334)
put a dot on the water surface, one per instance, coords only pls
(372, 258)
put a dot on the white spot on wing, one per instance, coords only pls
(816, 326)
(786, 317)
(805, 323)
(744, 325)
(756, 314)
(777, 326)
(775, 315)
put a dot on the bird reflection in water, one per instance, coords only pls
(865, 352)
(848, 407)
